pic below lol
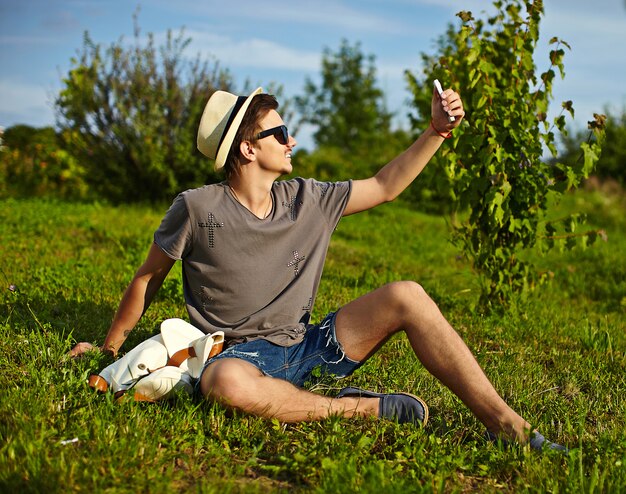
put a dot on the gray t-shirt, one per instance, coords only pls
(249, 277)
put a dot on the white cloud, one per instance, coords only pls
(253, 52)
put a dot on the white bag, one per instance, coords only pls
(161, 365)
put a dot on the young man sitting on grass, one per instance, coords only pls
(253, 250)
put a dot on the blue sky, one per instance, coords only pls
(283, 42)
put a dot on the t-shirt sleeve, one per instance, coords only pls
(174, 234)
(332, 199)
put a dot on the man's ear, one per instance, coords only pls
(248, 151)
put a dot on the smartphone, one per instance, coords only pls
(440, 92)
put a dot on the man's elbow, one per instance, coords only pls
(389, 195)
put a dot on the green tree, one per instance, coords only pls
(347, 110)
(130, 116)
(493, 167)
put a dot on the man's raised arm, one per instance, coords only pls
(398, 174)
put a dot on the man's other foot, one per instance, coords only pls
(537, 442)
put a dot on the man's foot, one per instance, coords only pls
(402, 407)
(537, 442)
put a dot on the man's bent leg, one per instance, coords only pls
(239, 385)
(363, 325)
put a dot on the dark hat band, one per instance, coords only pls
(238, 104)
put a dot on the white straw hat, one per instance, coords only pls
(219, 123)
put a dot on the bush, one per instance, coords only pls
(32, 163)
(130, 116)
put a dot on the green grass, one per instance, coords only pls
(558, 357)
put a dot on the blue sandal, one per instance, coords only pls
(402, 407)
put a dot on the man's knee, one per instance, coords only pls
(226, 380)
(405, 294)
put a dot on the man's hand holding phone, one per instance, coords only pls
(440, 93)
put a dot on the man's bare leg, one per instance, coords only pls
(364, 324)
(240, 385)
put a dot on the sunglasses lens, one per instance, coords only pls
(282, 135)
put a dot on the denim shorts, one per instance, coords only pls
(319, 350)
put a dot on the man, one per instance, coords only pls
(253, 250)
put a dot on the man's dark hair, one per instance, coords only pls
(260, 106)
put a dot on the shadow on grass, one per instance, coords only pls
(78, 320)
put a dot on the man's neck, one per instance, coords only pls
(254, 196)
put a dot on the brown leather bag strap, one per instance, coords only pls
(216, 348)
(98, 383)
(180, 356)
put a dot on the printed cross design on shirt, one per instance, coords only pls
(324, 186)
(205, 300)
(291, 205)
(295, 262)
(211, 224)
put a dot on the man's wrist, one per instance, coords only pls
(445, 135)
(109, 350)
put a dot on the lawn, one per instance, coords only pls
(558, 357)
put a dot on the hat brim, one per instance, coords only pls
(227, 142)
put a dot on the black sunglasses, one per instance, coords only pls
(281, 133)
